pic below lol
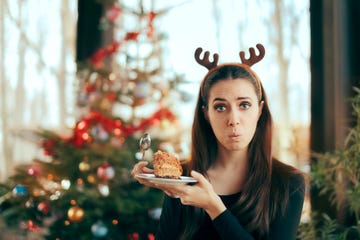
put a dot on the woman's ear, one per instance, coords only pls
(261, 105)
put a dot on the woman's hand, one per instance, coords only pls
(200, 194)
(141, 167)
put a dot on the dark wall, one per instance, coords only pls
(89, 36)
(334, 61)
(353, 19)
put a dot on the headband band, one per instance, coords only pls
(245, 63)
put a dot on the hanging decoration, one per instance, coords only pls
(105, 171)
(84, 132)
(99, 229)
(75, 214)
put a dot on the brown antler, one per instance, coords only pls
(205, 61)
(253, 57)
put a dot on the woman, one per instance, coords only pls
(242, 191)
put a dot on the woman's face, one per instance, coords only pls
(233, 113)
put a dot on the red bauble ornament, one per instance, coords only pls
(105, 171)
(31, 226)
(44, 208)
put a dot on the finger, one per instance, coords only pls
(171, 188)
(147, 170)
(138, 168)
(198, 176)
(145, 182)
(172, 195)
(167, 193)
(140, 165)
(143, 167)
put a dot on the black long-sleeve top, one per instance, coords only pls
(226, 226)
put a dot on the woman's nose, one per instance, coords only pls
(233, 120)
(233, 123)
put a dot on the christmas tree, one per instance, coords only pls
(81, 186)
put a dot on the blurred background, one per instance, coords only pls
(39, 68)
(82, 81)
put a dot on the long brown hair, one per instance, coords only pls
(259, 199)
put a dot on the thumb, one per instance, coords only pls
(198, 176)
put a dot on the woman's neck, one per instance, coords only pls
(229, 172)
(231, 159)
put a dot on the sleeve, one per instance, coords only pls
(285, 227)
(229, 228)
(169, 219)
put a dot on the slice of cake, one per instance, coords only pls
(166, 165)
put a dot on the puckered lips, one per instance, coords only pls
(234, 135)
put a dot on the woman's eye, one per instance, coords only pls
(245, 105)
(220, 108)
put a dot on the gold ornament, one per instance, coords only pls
(75, 214)
(91, 178)
(105, 104)
(84, 166)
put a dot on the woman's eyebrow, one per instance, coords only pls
(219, 99)
(238, 98)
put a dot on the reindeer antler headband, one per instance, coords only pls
(245, 63)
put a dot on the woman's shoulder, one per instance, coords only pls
(297, 183)
(282, 168)
(287, 173)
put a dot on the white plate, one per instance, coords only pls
(153, 179)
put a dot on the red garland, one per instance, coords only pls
(113, 13)
(131, 36)
(82, 136)
(89, 88)
(151, 18)
(97, 58)
(47, 145)
(111, 96)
